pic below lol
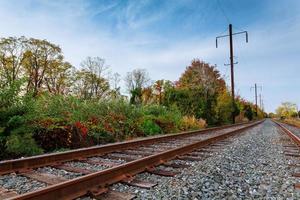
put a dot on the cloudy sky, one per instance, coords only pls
(164, 36)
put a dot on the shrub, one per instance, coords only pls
(52, 139)
(100, 136)
(16, 121)
(191, 123)
(20, 145)
(295, 122)
(168, 119)
(148, 127)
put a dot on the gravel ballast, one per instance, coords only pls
(253, 166)
(20, 184)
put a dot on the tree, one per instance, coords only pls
(90, 81)
(204, 81)
(286, 109)
(58, 77)
(115, 87)
(248, 112)
(40, 58)
(201, 74)
(135, 82)
(11, 58)
(224, 107)
(147, 95)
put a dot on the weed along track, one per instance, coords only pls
(91, 171)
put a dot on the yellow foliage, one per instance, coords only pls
(191, 123)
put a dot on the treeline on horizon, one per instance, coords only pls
(47, 105)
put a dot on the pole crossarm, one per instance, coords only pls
(222, 36)
(230, 64)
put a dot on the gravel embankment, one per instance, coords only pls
(252, 167)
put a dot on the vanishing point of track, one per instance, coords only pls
(121, 161)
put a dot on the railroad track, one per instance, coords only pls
(292, 146)
(90, 171)
(292, 131)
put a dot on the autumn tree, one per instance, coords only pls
(91, 81)
(201, 75)
(115, 85)
(40, 59)
(135, 82)
(204, 82)
(58, 77)
(223, 107)
(286, 109)
(159, 89)
(147, 95)
(11, 59)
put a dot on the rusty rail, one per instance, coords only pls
(98, 181)
(19, 165)
(294, 137)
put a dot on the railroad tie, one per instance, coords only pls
(5, 194)
(72, 169)
(161, 172)
(43, 177)
(139, 183)
(292, 154)
(190, 158)
(174, 165)
(102, 163)
(115, 195)
(297, 185)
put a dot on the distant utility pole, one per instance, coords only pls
(255, 89)
(232, 63)
(260, 101)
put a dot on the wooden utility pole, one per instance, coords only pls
(255, 90)
(232, 73)
(232, 64)
(256, 110)
(260, 102)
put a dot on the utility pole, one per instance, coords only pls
(232, 63)
(260, 102)
(255, 89)
(232, 72)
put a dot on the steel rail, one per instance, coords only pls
(23, 164)
(294, 137)
(99, 181)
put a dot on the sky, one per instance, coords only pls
(164, 36)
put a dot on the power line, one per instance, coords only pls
(223, 11)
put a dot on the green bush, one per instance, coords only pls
(100, 136)
(16, 121)
(155, 110)
(148, 127)
(21, 145)
(168, 119)
(46, 119)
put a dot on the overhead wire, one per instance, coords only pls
(223, 11)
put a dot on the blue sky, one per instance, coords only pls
(164, 36)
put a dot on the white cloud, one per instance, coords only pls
(269, 59)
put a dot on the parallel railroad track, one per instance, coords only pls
(292, 131)
(94, 169)
(292, 148)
